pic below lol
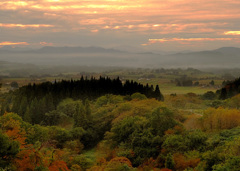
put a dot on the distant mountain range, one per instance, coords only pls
(56, 50)
(225, 57)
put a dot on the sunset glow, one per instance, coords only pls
(118, 20)
(25, 25)
(188, 39)
(46, 44)
(13, 43)
(232, 33)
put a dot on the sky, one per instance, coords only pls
(164, 25)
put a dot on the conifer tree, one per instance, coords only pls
(41, 108)
(27, 116)
(211, 83)
(34, 110)
(23, 106)
(2, 109)
(16, 102)
(157, 93)
(223, 94)
(49, 102)
(7, 108)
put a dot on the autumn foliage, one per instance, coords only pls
(117, 133)
(182, 163)
(221, 118)
(30, 157)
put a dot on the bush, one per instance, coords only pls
(138, 96)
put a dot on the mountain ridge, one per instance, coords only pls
(64, 49)
(221, 57)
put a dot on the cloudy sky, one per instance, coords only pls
(149, 24)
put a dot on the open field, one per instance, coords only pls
(165, 85)
(165, 78)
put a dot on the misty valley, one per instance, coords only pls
(75, 109)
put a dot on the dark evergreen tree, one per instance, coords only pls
(223, 94)
(16, 102)
(2, 109)
(49, 102)
(7, 108)
(212, 83)
(196, 83)
(27, 116)
(23, 106)
(157, 94)
(34, 110)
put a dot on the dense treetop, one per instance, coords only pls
(104, 124)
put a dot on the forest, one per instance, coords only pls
(104, 123)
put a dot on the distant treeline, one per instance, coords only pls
(44, 97)
(230, 89)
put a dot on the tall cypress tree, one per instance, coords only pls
(16, 102)
(49, 102)
(41, 107)
(27, 116)
(157, 94)
(34, 110)
(23, 106)
(223, 94)
(2, 109)
(7, 108)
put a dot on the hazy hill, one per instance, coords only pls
(56, 50)
(228, 50)
(13, 69)
(226, 57)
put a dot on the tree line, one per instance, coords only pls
(230, 89)
(38, 99)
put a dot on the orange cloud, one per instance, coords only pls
(232, 33)
(99, 21)
(13, 43)
(25, 25)
(94, 31)
(165, 28)
(168, 18)
(13, 5)
(70, 5)
(46, 44)
(150, 11)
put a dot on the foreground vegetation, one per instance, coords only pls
(105, 129)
